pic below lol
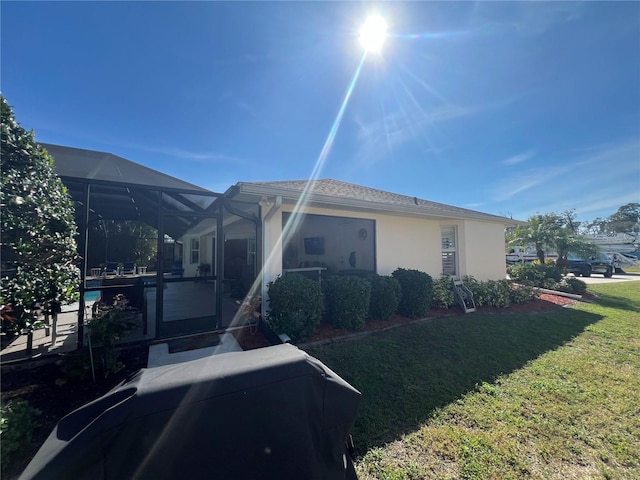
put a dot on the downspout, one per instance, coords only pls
(266, 250)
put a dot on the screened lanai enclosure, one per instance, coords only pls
(181, 255)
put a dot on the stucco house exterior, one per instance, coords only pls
(214, 248)
(341, 227)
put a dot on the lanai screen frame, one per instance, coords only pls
(83, 219)
(109, 187)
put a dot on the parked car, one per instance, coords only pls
(602, 263)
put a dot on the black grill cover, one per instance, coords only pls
(271, 413)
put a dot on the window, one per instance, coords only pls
(449, 264)
(337, 245)
(195, 250)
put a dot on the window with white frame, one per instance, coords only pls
(195, 250)
(449, 251)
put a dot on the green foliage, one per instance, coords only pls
(625, 220)
(553, 392)
(347, 300)
(109, 324)
(571, 285)
(522, 293)
(540, 231)
(295, 306)
(417, 292)
(385, 297)
(127, 240)
(443, 295)
(16, 429)
(492, 293)
(534, 275)
(38, 246)
(553, 231)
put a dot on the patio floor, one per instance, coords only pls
(180, 302)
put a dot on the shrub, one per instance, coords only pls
(109, 324)
(534, 275)
(385, 297)
(295, 306)
(492, 293)
(417, 292)
(572, 285)
(547, 261)
(38, 231)
(16, 429)
(443, 296)
(347, 301)
(522, 293)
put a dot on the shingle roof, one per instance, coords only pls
(338, 189)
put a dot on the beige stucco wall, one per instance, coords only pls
(482, 250)
(403, 242)
(411, 242)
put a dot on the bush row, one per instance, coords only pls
(297, 303)
(492, 293)
(546, 275)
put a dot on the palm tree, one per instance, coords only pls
(541, 232)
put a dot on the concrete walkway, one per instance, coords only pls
(598, 278)
(159, 354)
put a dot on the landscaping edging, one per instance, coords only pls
(357, 335)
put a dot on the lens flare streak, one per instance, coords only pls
(324, 153)
(294, 220)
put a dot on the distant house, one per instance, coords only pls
(225, 245)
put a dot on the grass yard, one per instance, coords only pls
(553, 395)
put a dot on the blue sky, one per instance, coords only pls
(509, 108)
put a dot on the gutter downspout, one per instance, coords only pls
(266, 250)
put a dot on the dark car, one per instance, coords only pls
(601, 263)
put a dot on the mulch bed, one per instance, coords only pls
(250, 338)
(545, 303)
(52, 387)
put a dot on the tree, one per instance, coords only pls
(540, 232)
(38, 245)
(553, 231)
(567, 241)
(599, 225)
(569, 217)
(625, 220)
(125, 240)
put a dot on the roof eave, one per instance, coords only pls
(333, 201)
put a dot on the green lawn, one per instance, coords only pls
(501, 396)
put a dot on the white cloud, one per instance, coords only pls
(391, 131)
(179, 153)
(594, 181)
(519, 158)
(527, 18)
(526, 180)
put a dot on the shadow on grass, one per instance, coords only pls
(406, 374)
(621, 303)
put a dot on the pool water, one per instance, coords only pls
(91, 296)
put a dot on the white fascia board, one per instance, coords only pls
(378, 207)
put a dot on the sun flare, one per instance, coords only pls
(373, 33)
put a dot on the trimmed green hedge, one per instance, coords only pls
(347, 301)
(295, 306)
(498, 293)
(443, 296)
(385, 297)
(417, 292)
(535, 275)
(572, 285)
